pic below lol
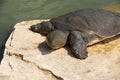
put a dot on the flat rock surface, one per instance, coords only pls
(27, 57)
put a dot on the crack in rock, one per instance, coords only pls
(46, 71)
(10, 66)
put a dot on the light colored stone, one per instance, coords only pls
(26, 56)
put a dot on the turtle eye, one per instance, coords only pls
(32, 27)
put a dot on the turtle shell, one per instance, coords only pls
(103, 23)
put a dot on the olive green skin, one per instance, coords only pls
(57, 39)
(80, 28)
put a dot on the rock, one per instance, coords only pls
(27, 56)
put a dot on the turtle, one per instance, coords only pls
(79, 29)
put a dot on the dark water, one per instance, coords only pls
(13, 11)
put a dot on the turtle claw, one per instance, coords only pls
(80, 55)
(80, 51)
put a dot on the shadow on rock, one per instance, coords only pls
(45, 49)
(70, 53)
(107, 40)
(2, 44)
(1, 52)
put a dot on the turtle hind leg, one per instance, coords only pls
(78, 45)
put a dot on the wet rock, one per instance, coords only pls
(27, 56)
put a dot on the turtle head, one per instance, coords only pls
(57, 39)
(44, 27)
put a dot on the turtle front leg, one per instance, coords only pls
(78, 45)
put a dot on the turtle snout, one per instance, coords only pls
(33, 28)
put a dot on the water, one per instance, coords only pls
(13, 11)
